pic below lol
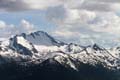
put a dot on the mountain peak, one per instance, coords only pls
(96, 47)
(39, 46)
(21, 45)
(42, 38)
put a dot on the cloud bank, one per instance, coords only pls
(77, 20)
(8, 30)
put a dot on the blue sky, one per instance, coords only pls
(78, 21)
(35, 17)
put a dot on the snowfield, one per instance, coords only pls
(37, 47)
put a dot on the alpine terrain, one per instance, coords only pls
(38, 56)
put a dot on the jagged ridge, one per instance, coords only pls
(37, 47)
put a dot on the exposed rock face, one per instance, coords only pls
(40, 56)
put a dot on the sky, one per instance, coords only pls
(78, 21)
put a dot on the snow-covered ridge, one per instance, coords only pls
(39, 46)
(41, 38)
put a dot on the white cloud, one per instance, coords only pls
(79, 16)
(92, 5)
(108, 23)
(8, 30)
(76, 19)
(111, 1)
(78, 24)
(20, 5)
(2, 25)
(42, 4)
(26, 27)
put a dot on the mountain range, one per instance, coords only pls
(38, 51)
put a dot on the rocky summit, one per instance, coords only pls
(39, 56)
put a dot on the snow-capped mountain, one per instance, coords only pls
(38, 47)
(41, 38)
(22, 46)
